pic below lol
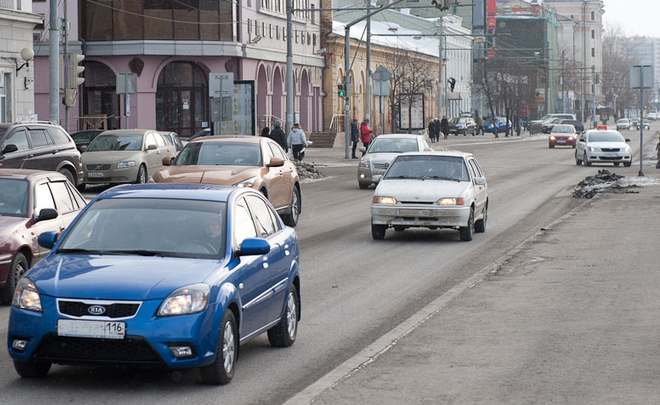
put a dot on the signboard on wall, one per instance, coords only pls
(243, 120)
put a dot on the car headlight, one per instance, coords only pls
(593, 149)
(552, 137)
(186, 300)
(626, 148)
(26, 296)
(384, 200)
(247, 183)
(364, 163)
(572, 138)
(125, 164)
(450, 201)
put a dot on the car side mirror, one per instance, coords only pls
(83, 148)
(276, 162)
(47, 239)
(254, 246)
(46, 214)
(480, 181)
(362, 149)
(10, 148)
(152, 147)
(168, 160)
(627, 139)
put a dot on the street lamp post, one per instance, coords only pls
(440, 81)
(289, 66)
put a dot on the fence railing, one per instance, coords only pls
(337, 123)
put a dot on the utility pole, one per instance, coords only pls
(563, 81)
(584, 60)
(289, 67)
(440, 81)
(65, 64)
(593, 85)
(54, 65)
(367, 114)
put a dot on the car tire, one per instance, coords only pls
(142, 175)
(550, 146)
(69, 176)
(627, 164)
(480, 225)
(616, 164)
(363, 186)
(32, 369)
(378, 231)
(399, 228)
(466, 231)
(291, 219)
(284, 333)
(18, 267)
(221, 371)
(81, 187)
(586, 160)
(577, 161)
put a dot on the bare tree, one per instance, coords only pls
(617, 60)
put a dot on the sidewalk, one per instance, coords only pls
(571, 317)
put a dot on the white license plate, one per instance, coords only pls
(93, 174)
(414, 213)
(611, 155)
(91, 329)
(558, 141)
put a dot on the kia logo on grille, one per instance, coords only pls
(96, 310)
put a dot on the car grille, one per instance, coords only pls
(610, 149)
(98, 167)
(382, 166)
(63, 350)
(117, 310)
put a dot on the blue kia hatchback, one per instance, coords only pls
(159, 275)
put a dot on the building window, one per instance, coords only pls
(249, 26)
(593, 16)
(5, 98)
(593, 52)
(593, 34)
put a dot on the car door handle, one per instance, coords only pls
(265, 263)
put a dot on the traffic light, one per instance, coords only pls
(441, 4)
(341, 90)
(75, 70)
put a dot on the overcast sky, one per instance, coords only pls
(635, 17)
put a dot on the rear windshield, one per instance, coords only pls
(14, 197)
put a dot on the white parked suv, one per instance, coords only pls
(603, 146)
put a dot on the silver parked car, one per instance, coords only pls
(431, 190)
(382, 151)
(125, 156)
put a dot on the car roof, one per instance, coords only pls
(600, 131)
(400, 136)
(30, 175)
(450, 153)
(128, 131)
(230, 138)
(178, 191)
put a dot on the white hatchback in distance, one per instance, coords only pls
(431, 190)
(603, 146)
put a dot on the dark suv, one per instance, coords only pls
(40, 146)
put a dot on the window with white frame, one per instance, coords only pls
(5, 98)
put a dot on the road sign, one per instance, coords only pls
(126, 83)
(221, 85)
(381, 74)
(636, 73)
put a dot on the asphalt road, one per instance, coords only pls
(354, 289)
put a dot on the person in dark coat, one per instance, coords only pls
(265, 132)
(444, 126)
(355, 136)
(277, 134)
(433, 129)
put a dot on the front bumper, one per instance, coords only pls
(147, 341)
(559, 141)
(608, 157)
(113, 176)
(420, 215)
(370, 175)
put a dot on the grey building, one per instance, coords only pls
(17, 23)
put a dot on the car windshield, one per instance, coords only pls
(606, 137)
(564, 129)
(427, 167)
(393, 145)
(220, 153)
(150, 227)
(622, 121)
(456, 121)
(116, 142)
(14, 197)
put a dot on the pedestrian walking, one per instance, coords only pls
(365, 134)
(495, 130)
(433, 126)
(518, 126)
(277, 134)
(355, 136)
(297, 142)
(265, 132)
(437, 129)
(480, 125)
(444, 126)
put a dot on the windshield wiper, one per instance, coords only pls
(81, 251)
(140, 252)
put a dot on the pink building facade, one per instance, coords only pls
(172, 47)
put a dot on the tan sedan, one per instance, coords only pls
(243, 161)
(125, 156)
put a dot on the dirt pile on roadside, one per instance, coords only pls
(593, 185)
(307, 171)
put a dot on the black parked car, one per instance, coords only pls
(579, 127)
(462, 125)
(40, 146)
(84, 137)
